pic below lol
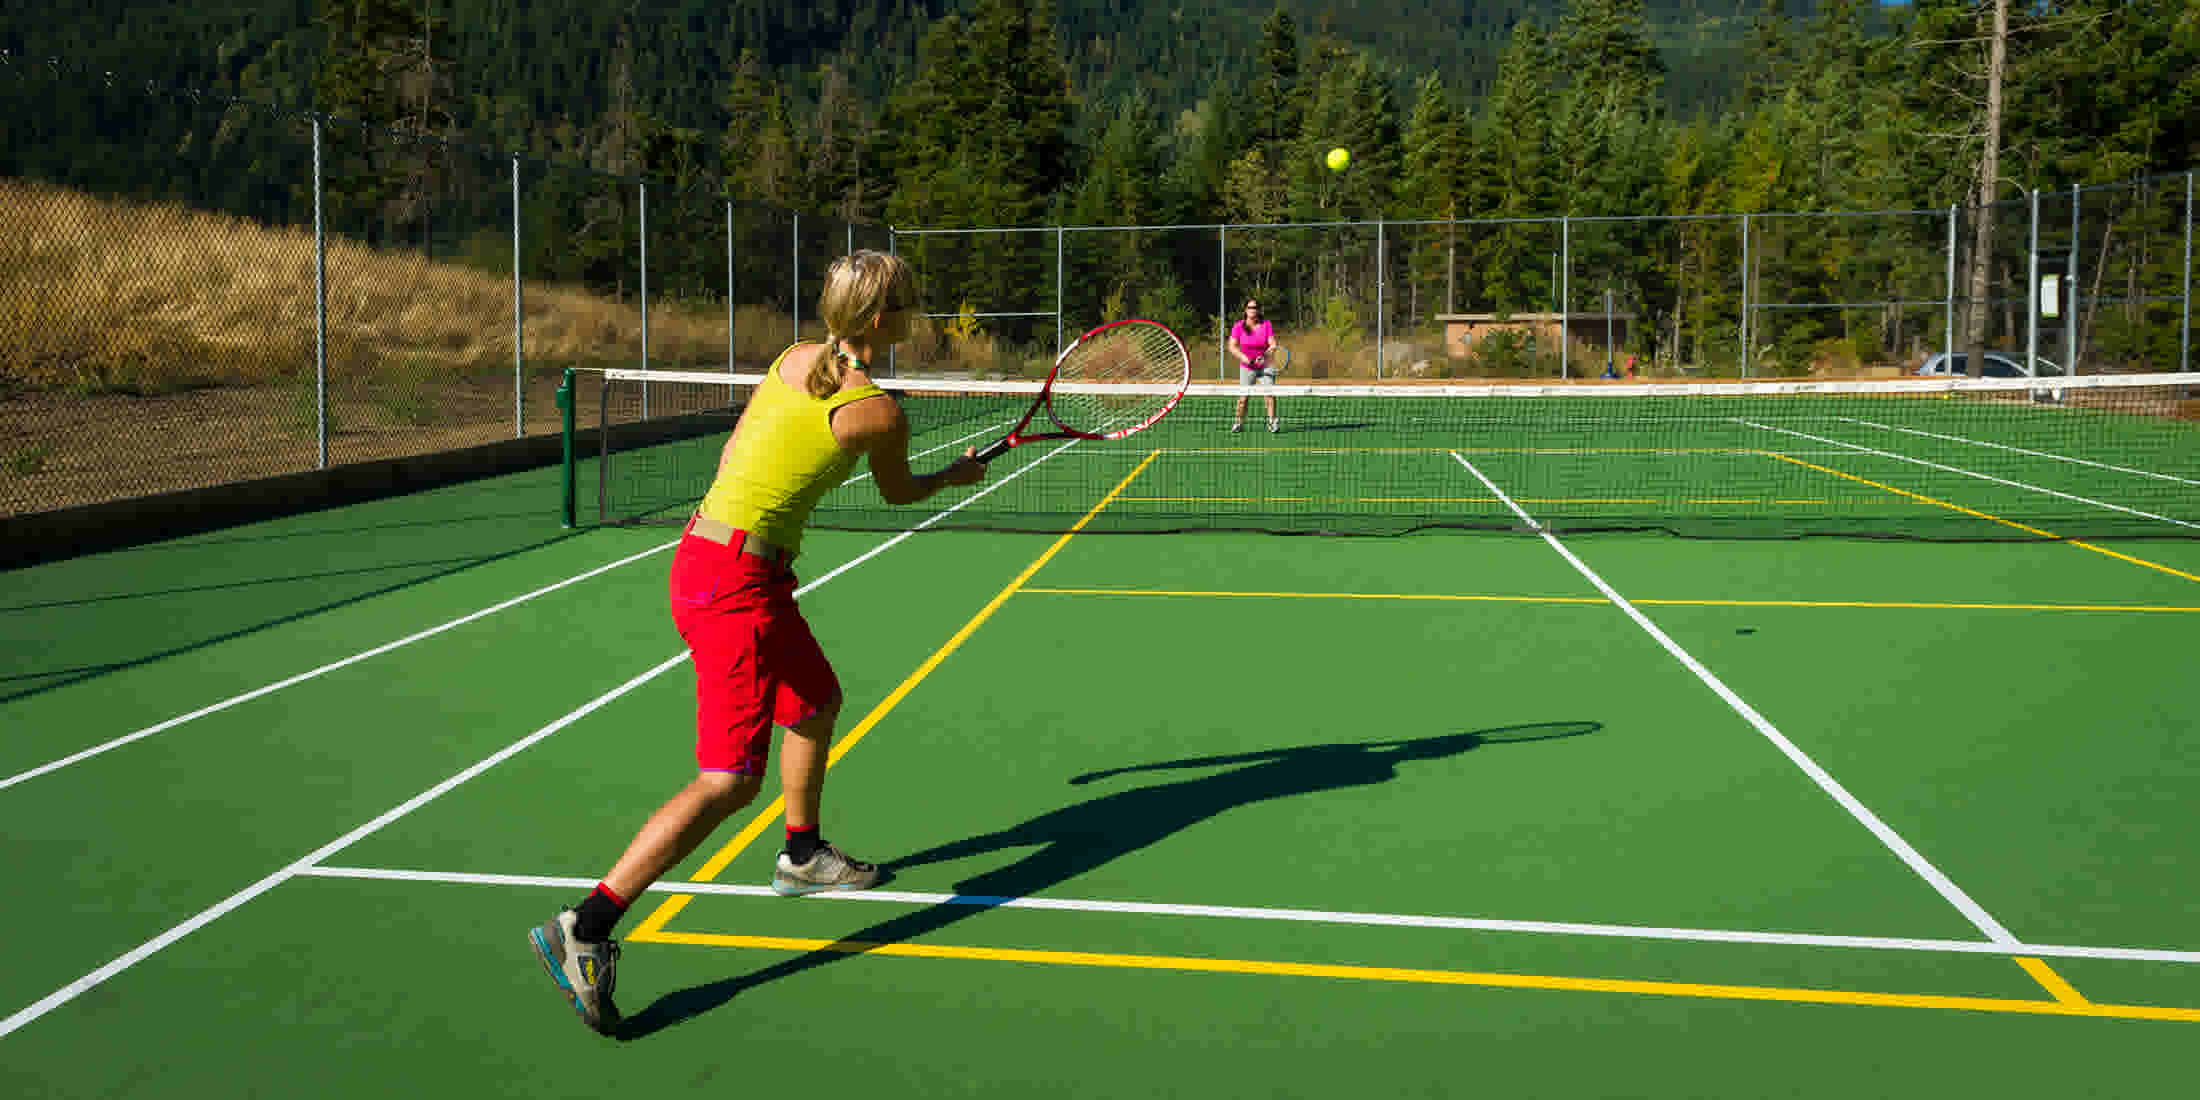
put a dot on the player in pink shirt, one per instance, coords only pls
(1250, 340)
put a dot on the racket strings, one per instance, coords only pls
(1118, 380)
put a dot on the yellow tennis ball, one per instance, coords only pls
(1338, 158)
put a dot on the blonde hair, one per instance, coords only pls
(858, 288)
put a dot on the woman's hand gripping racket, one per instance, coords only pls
(1117, 379)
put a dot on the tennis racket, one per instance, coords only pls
(1276, 359)
(1117, 379)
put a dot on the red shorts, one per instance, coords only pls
(756, 663)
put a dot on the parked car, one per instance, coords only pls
(1999, 364)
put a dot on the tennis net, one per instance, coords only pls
(2090, 457)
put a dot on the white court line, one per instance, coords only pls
(266, 689)
(1978, 916)
(2021, 451)
(1309, 916)
(1856, 448)
(110, 746)
(153, 946)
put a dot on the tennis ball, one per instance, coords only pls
(1338, 158)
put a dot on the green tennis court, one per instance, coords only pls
(1213, 813)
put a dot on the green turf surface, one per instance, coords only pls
(1187, 720)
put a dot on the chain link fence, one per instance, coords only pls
(227, 292)
(2094, 279)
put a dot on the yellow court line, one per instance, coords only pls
(2063, 991)
(1444, 500)
(2058, 1007)
(1886, 604)
(741, 840)
(1464, 450)
(1986, 516)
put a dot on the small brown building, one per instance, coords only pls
(1591, 332)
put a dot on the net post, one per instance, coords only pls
(569, 489)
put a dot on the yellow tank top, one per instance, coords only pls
(784, 459)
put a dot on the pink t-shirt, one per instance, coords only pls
(1253, 340)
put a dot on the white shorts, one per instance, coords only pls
(1249, 375)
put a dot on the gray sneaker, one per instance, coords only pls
(828, 869)
(587, 972)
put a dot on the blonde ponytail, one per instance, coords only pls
(858, 288)
(830, 369)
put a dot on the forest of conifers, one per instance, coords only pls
(963, 113)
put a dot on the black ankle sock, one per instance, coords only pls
(803, 844)
(596, 916)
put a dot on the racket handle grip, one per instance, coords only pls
(992, 451)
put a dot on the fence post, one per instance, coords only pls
(1058, 296)
(2032, 291)
(2184, 324)
(729, 287)
(1222, 301)
(320, 304)
(1382, 275)
(1745, 296)
(1948, 337)
(642, 210)
(893, 248)
(2070, 292)
(519, 357)
(796, 297)
(1565, 296)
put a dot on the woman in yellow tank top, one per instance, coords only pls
(756, 663)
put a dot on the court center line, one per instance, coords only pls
(207, 916)
(1948, 890)
(1304, 916)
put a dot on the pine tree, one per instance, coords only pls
(1515, 129)
(1276, 102)
(1430, 186)
(761, 155)
(382, 72)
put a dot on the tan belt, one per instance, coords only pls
(724, 534)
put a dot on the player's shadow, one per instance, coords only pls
(1078, 838)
